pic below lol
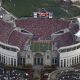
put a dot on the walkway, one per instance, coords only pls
(76, 5)
(9, 13)
(37, 72)
(65, 10)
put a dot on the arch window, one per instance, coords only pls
(72, 60)
(12, 61)
(20, 60)
(55, 60)
(9, 61)
(0, 57)
(38, 59)
(47, 56)
(79, 58)
(61, 63)
(75, 59)
(4, 59)
(23, 61)
(64, 62)
(67, 62)
(28, 56)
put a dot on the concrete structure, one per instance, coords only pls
(9, 54)
(71, 0)
(75, 0)
(69, 55)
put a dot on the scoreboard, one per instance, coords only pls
(43, 13)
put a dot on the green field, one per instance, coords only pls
(25, 8)
(42, 47)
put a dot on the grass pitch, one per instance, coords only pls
(25, 8)
(40, 47)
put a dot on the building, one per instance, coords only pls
(8, 54)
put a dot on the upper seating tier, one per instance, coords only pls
(42, 28)
(18, 39)
(5, 31)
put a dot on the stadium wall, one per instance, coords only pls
(29, 58)
(8, 54)
(69, 55)
(74, 0)
(45, 56)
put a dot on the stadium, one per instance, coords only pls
(39, 40)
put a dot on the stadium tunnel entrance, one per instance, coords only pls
(38, 59)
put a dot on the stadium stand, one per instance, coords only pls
(65, 40)
(42, 28)
(5, 30)
(18, 39)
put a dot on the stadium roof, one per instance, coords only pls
(78, 20)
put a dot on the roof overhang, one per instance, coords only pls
(77, 34)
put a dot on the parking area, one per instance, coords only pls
(12, 74)
(70, 75)
(15, 74)
(65, 74)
